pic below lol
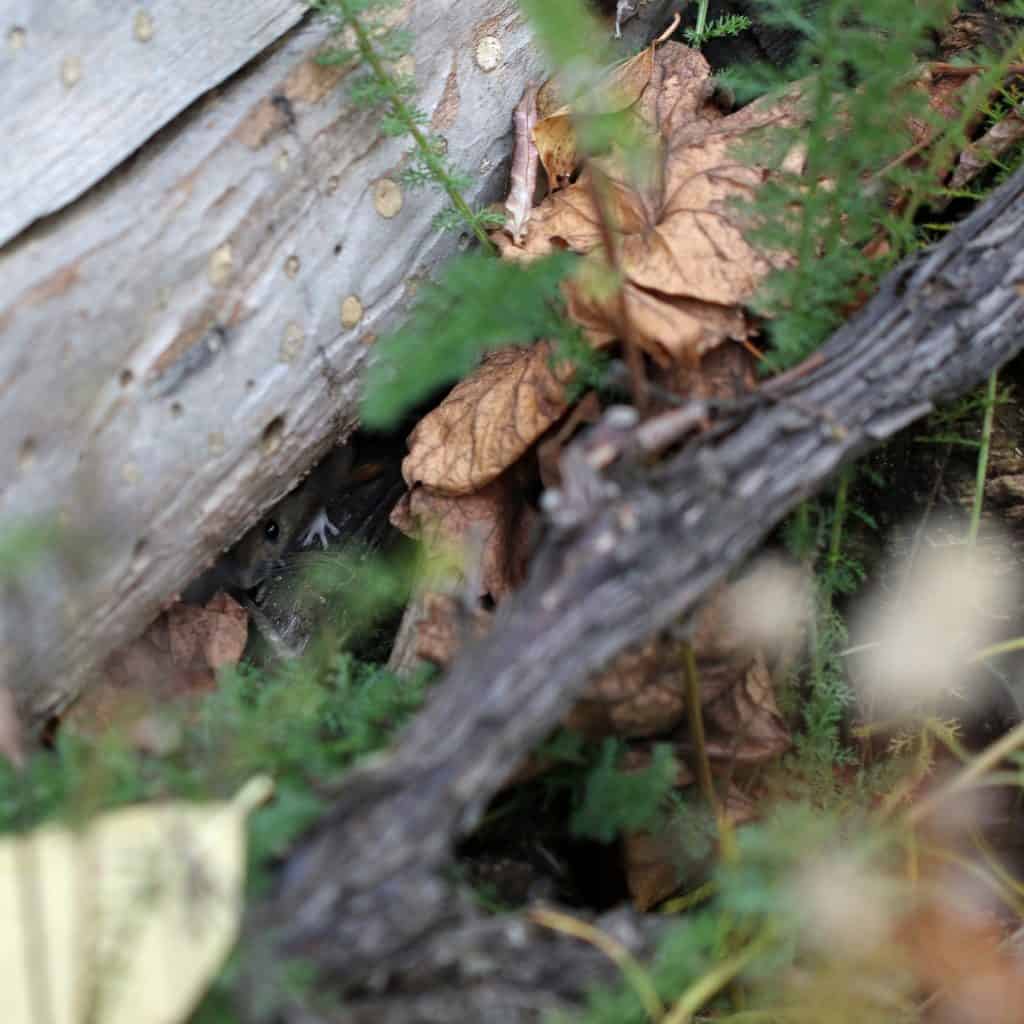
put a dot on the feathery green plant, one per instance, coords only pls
(478, 304)
(720, 28)
(859, 60)
(376, 46)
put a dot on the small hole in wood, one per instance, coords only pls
(125, 378)
(273, 432)
(27, 452)
(177, 409)
(139, 549)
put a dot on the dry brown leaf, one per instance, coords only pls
(652, 860)
(207, 637)
(174, 660)
(991, 146)
(638, 695)
(744, 724)
(554, 134)
(487, 421)
(687, 265)
(523, 175)
(443, 628)
(960, 953)
(672, 331)
(497, 516)
(726, 372)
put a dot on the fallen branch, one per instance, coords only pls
(362, 897)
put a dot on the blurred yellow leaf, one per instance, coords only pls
(126, 921)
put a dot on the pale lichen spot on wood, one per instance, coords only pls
(16, 38)
(220, 265)
(130, 473)
(215, 442)
(292, 265)
(351, 312)
(332, 184)
(291, 343)
(71, 71)
(387, 198)
(488, 53)
(142, 25)
(368, 339)
(282, 161)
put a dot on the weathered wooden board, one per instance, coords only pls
(182, 341)
(85, 83)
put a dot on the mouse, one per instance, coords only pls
(299, 520)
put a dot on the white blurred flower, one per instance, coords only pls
(918, 645)
(847, 911)
(768, 605)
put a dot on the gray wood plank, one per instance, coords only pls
(175, 349)
(86, 82)
(181, 343)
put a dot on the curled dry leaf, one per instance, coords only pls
(444, 627)
(207, 637)
(487, 421)
(638, 695)
(523, 176)
(744, 724)
(1001, 137)
(554, 134)
(673, 331)
(658, 863)
(682, 236)
(175, 659)
(497, 516)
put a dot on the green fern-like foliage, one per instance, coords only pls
(375, 46)
(478, 304)
(859, 59)
(615, 801)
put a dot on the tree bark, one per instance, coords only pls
(199, 253)
(363, 896)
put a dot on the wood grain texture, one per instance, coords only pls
(176, 349)
(183, 340)
(86, 83)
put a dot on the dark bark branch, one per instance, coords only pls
(362, 896)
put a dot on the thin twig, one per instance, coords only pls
(612, 948)
(982, 470)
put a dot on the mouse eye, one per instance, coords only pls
(271, 529)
